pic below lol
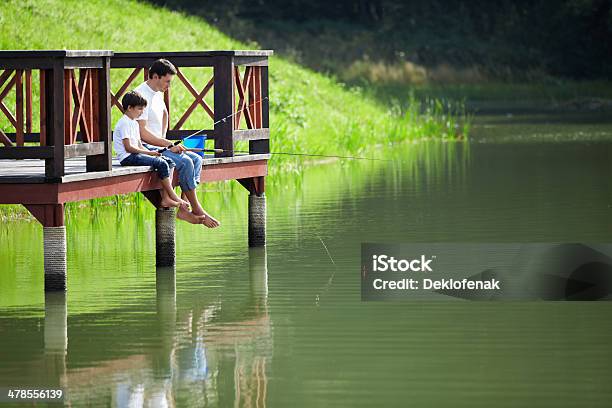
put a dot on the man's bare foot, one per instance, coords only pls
(168, 202)
(187, 216)
(199, 211)
(209, 221)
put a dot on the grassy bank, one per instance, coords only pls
(310, 112)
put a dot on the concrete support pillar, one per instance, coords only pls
(54, 243)
(165, 241)
(257, 220)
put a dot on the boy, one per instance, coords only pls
(131, 152)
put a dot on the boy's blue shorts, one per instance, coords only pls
(161, 164)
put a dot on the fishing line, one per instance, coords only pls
(314, 155)
(276, 153)
(326, 250)
(331, 278)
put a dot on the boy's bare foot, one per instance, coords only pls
(168, 202)
(183, 204)
(187, 216)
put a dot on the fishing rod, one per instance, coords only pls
(244, 151)
(290, 154)
(219, 121)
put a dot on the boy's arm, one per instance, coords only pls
(135, 150)
(150, 137)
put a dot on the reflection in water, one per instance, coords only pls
(250, 374)
(193, 352)
(202, 335)
(240, 345)
(55, 338)
(220, 359)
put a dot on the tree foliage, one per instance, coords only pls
(571, 38)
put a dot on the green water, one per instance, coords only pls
(285, 326)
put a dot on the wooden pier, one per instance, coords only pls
(69, 158)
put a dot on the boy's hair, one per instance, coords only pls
(133, 98)
(162, 67)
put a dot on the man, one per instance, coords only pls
(153, 125)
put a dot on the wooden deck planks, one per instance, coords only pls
(33, 171)
(22, 181)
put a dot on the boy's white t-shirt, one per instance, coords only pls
(125, 128)
(154, 112)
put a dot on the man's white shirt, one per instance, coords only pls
(154, 112)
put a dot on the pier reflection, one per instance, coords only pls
(55, 339)
(190, 353)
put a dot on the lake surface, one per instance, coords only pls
(284, 326)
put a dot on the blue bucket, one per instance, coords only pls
(195, 142)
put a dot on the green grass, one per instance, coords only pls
(309, 112)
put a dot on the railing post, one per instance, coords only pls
(54, 167)
(45, 83)
(262, 146)
(224, 104)
(19, 137)
(265, 95)
(102, 162)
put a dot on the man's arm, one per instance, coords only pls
(166, 124)
(149, 137)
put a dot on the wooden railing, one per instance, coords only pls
(76, 99)
(73, 93)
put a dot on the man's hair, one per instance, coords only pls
(133, 98)
(162, 67)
